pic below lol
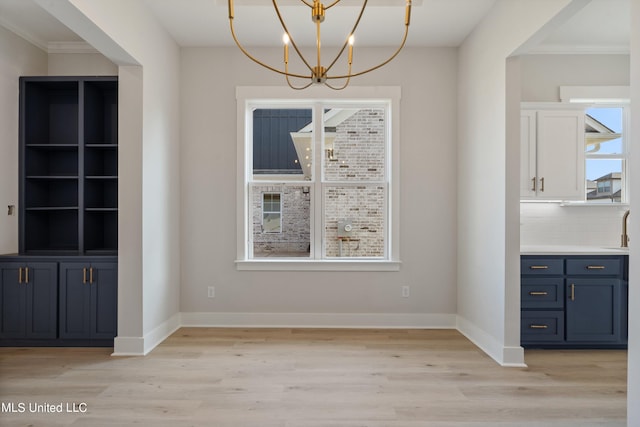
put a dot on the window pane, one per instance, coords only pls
(604, 180)
(354, 144)
(285, 230)
(271, 222)
(603, 130)
(276, 149)
(361, 207)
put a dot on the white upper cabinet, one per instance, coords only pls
(552, 154)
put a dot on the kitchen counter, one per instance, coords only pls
(571, 250)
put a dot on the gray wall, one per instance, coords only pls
(17, 58)
(427, 218)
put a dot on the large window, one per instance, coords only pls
(317, 181)
(605, 154)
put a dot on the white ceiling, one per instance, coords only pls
(602, 26)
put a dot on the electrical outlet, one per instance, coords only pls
(211, 292)
(405, 292)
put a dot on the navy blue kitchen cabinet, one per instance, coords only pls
(29, 300)
(88, 300)
(574, 301)
(58, 300)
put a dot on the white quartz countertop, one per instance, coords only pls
(571, 250)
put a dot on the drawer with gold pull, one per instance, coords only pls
(542, 292)
(541, 266)
(542, 326)
(593, 267)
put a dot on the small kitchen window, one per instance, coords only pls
(606, 154)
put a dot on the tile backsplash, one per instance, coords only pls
(554, 224)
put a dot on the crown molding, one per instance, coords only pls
(557, 49)
(70, 47)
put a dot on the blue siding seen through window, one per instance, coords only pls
(273, 149)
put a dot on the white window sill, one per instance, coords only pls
(272, 264)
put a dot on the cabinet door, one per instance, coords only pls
(29, 301)
(527, 154)
(560, 155)
(88, 300)
(75, 301)
(104, 300)
(593, 310)
(13, 305)
(42, 300)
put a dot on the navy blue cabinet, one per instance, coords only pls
(58, 300)
(574, 301)
(88, 300)
(592, 310)
(28, 308)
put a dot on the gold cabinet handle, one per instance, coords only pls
(533, 182)
(90, 274)
(538, 293)
(539, 267)
(538, 326)
(595, 267)
(84, 275)
(20, 275)
(26, 275)
(542, 184)
(573, 292)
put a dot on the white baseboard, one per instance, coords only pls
(505, 356)
(141, 346)
(128, 346)
(320, 320)
(159, 334)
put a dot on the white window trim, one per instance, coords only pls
(246, 95)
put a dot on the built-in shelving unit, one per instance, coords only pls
(69, 158)
(61, 289)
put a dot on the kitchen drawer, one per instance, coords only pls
(542, 326)
(542, 293)
(541, 266)
(593, 267)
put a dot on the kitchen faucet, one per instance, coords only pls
(625, 235)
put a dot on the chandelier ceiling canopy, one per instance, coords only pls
(319, 72)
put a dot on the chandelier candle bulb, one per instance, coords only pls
(351, 49)
(285, 39)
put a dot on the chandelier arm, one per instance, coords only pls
(404, 40)
(257, 61)
(332, 4)
(293, 43)
(338, 88)
(286, 69)
(307, 3)
(353, 30)
(346, 83)
(298, 88)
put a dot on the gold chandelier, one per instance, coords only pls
(319, 74)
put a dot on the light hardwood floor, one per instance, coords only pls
(313, 378)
